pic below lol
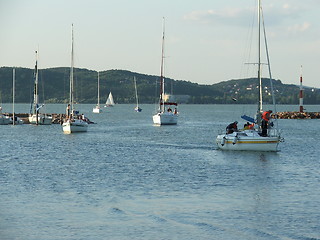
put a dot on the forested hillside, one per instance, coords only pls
(54, 88)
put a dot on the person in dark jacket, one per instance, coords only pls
(232, 127)
(265, 122)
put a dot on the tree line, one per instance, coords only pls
(54, 88)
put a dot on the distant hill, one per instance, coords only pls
(54, 88)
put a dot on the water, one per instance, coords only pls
(127, 179)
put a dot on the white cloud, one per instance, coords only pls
(299, 27)
(230, 16)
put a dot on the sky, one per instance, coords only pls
(206, 41)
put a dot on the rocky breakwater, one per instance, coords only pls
(297, 115)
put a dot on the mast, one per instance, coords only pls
(71, 75)
(135, 87)
(161, 71)
(36, 89)
(259, 57)
(98, 90)
(36, 82)
(13, 92)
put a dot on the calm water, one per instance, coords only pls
(127, 179)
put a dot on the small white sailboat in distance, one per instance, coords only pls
(35, 117)
(110, 102)
(73, 123)
(259, 134)
(97, 108)
(165, 115)
(137, 108)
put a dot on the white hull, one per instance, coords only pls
(42, 119)
(97, 110)
(137, 109)
(166, 118)
(74, 126)
(5, 120)
(248, 140)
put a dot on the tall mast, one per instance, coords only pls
(161, 71)
(36, 83)
(71, 74)
(259, 56)
(98, 89)
(135, 88)
(13, 93)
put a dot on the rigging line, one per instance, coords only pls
(269, 67)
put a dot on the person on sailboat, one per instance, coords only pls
(248, 126)
(68, 111)
(232, 127)
(265, 121)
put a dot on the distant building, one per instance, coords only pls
(176, 98)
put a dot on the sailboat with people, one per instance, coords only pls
(165, 115)
(110, 101)
(35, 117)
(97, 108)
(137, 108)
(260, 133)
(73, 122)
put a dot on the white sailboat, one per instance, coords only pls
(4, 119)
(97, 108)
(261, 137)
(137, 108)
(14, 120)
(165, 115)
(73, 123)
(110, 102)
(35, 117)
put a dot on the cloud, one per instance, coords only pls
(297, 28)
(275, 14)
(231, 16)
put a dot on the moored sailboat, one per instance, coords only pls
(14, 120)
(137, 108)
(263, 134)
(35, 117)
(97, 108)
(4, 119)
(73, 122)
(165, 115)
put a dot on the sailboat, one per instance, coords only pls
(35, 117)
(97, 108)
(137, 108)
(165, 115)
(73, 122)
(14, 120)
(110, 102)
(4, 119)
(260, 137)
